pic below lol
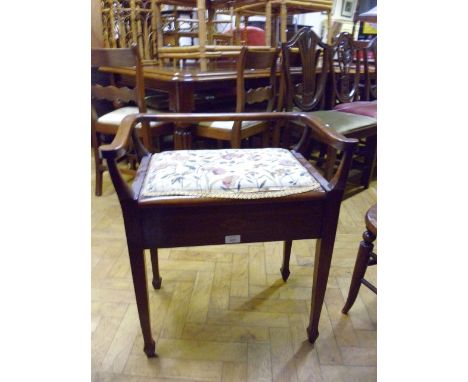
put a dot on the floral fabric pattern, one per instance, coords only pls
(227, 173)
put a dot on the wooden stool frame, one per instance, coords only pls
(169, 222)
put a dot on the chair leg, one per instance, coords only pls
(370, 156)
(286, 256)
(323, 256)
(360, 267)
(157, 280)
(266, 138)
(321, 156)
(330, 163)
(137, 264)
(97, 163)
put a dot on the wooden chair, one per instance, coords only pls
(349, 57)
(235, 132)
(370, 67)
(316, 61)
(168, 221)
(366, 103)
(365, 257)
(121, 97)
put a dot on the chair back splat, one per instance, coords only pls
(305, 50)
(153, 221)
(370, 71)
(345, 69)
(251, 96)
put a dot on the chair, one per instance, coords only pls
(367, 104)
(235, 132)
(365, 257)
(316, 62)
(370, 70)
(349, 58)
(120, 96)
(166, 207)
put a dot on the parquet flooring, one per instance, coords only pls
(224, 314)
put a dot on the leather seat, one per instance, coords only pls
(344, 122)
(367, 108)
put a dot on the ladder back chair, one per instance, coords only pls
(124, 100)
(250, 99)
(307, 95)
(176, 190)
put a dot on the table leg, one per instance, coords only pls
(181, 101)
(137, 264)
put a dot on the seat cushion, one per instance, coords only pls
(227, 173)
(227, 125)
(368, 108)
(116, 116)
(342, 122)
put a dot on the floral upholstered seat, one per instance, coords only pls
(227, 173)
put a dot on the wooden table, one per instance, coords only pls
(183, 83)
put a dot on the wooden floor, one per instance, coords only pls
(224, 314)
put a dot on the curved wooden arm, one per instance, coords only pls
(320, 131)
(119, 146)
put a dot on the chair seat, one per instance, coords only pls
(227, 125)
(116, 116)
(344, 123)
(227, 173)
(367, 108)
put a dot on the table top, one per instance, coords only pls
(191, 72)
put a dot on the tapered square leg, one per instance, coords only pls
(157, 280)
(323, 256)
(137, 264)
(286, 256)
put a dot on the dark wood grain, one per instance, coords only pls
(175, 221)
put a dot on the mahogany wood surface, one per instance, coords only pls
(175, 221)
